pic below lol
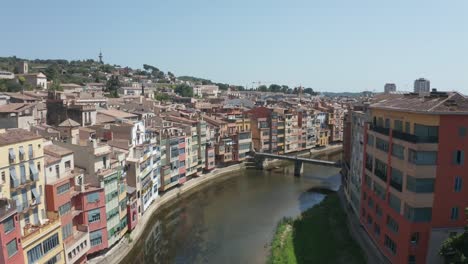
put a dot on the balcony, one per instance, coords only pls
(413, 138)
(32, 232)
(381, 130)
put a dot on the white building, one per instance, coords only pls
(210, 91)
(36, 80)
(6, 75)
(422, 85)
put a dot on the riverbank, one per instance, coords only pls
(122, 248)
(118, 252)
(319, 235)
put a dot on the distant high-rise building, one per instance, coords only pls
(389, 87)
(422, 85)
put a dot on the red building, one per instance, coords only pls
(92, 202)
(10, 234)
(132, 208)
(413, 187)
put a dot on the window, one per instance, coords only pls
(93, 197)
(11, 155)
(462, 131)
(380, 170)
(369, 162)
(458, 183)
(95, 238)
(364, 196)
(458, 157)
(370, 140)
(57, 171)
(30, 151)
(21, 153)
(376, 229)
(64, 209)
(67, 165)
(454, 213)
(394, 202)
(370, 202)
(63, 188)
(398, 151)
(422, 157)
(390, 244)
(378, 210)
(3, 176)
(398, 125)
(35, 254)
(414, 238)
(379, 191)
(413, 214)
(426, 132)
(9, 225)
(94, 215)
(368, 181)
(411, 259)
(419, 185)
(392, 224)
(396, 179)
(39, 166)
(67, 231)
(407, 127)
(381, 144)
(50, 243)
(12, 248)
(369, 220)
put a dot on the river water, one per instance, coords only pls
(231, 220)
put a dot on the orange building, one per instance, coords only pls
(413, 187)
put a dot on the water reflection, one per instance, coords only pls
(231, 221)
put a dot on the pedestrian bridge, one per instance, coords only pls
(298, 161)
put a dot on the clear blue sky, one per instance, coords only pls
(328, 45)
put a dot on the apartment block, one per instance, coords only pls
(62, 198)
(413, 193)
(22, 174)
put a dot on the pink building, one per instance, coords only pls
(132, 208)
(10, 234)
(63, 185)
(210, 157)
(92, 202)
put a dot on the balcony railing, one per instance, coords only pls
(381, 130)
(413, 138)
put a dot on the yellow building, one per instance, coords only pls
(22, 180)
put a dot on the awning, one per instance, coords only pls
(21, 150)
(13, 174)
(32, 168)
(35, 193)
(12, 154)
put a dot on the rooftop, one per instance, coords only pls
(56, 151)
(69, 123)
(16, 135)
(15, 107)
(433, 103)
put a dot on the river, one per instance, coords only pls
(231, 220)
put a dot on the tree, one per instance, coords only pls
(112, 86)
(310, 91)
(161, 96)
(274, 88)
(184, 90)
(262, 88)
(455, 249)
(284, 88)
(52, 72)
(223, 86)
(55, 86)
